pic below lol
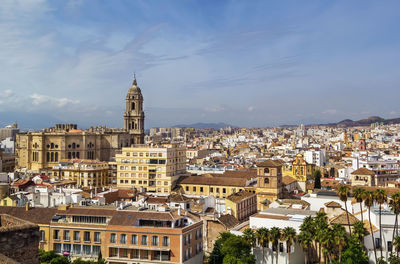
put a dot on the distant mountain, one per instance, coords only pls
(365, 122)
(206, 125)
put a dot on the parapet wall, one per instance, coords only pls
(19, 240)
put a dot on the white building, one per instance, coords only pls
(317, 157)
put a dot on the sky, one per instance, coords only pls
(245, 63)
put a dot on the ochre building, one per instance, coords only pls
(45, 149)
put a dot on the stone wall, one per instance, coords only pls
(19, 240)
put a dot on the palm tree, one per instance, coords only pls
(395, 206)
(359, 231)
(358, 194)
(340, 238)
(343, 193)
(262, 235)
(321, 224)
(249, 236)
(306, 239)
(275, 234)
(380, 198)
(289, 235)
(368, 202)
(396, 244)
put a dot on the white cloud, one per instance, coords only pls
(39, 99)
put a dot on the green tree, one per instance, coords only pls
(396, 245)
(320, 225)
(262, 236)
(289, 235)
(359, 231)
(368, 202)
(231, 249)
(306, 238)
(380, 198)
(317, 179)
(354, 253)
(275, 235)
(249, 236)
(306, 242)
(358, 194)
(343, 193)
(340, 238)
(395, 206)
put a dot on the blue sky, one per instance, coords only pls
(247, 63)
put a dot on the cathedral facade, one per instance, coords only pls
(44, 149)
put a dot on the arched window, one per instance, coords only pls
(266, 181)
(56, 156)
(52, 156)
(266, 171)
(133, 105)
(48, 156)
(52, 145)
(73, 145)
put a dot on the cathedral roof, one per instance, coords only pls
(134, 88)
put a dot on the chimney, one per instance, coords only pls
(27, 207)
(179, 211)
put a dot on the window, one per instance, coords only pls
(42, 235)
(194, 189)
(135, 253)
(377, 242)
(211, 189)
(280, 247)
(57, 247)
(123, 239)
(86, 250)
(67, 248)
(76, 236)
(66, 235)
(165, 242)
(134, 239)
(86, 236)
(56, 235)
(144, 240)
(266, 171)
(201, 189)
(266, 181)
(97, 237)
(95, 250)
(187, 188)
(76, 249)
(113, 238)
(389, 246)
(154, 241)
(223, 190)
(124, 253)
(113, 252)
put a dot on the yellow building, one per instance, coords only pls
(153, 168)
(86, 173)
(241, 205)
(44, 149)
(269, 183)
(300, 170)
(7, 201)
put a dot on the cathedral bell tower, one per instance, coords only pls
(134, 115)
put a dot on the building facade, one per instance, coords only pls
(86, 173)
(46, 148)
(269, 183)
(151, 168)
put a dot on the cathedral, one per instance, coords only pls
(39, 150)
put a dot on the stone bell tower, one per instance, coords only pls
(134, 115)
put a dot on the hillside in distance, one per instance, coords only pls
(365, 122)
(215, 126)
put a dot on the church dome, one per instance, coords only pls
(134, 88)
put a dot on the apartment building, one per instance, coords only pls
(241, 205)
(122, 236)
(151, 168)
(86, 173)
(154, 237)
